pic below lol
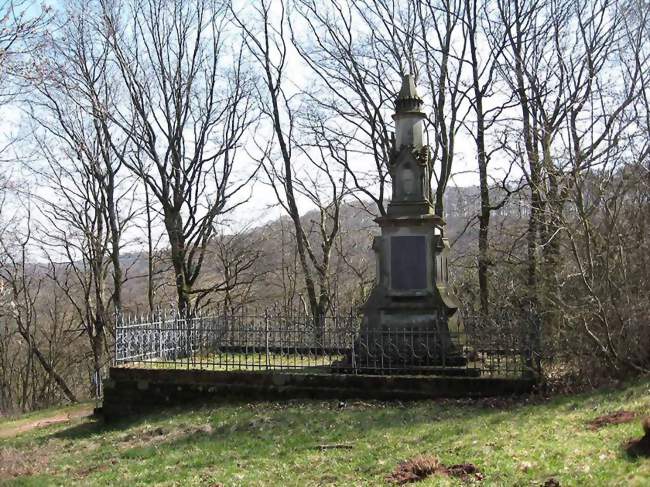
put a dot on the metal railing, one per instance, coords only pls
(269, 341)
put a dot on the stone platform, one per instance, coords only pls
(130, 391)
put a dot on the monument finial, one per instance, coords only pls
(408, 99)
(408, 116)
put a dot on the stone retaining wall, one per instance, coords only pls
(130, 391)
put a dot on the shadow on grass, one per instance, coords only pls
(385, 414)
(88, 429)
(96, 426)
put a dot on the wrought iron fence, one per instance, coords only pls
(269, 341)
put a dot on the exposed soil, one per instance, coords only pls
(43, 422)
(17, 463)
(84, 472)
(640, 447)
(465, 471)
(619, 417)
(423, 466)
(551, 483)
(415, 469)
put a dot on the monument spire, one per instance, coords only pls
(409, 127)
(408, 99)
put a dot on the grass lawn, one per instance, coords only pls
(293, 363)
(279, 444)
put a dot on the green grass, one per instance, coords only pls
(299, 363)
(277, 444)
(242, 361)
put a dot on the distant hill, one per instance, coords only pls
(352, 261)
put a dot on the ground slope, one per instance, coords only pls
(327, 443)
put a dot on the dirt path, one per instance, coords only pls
(13, 431)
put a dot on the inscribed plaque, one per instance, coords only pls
(408, 263)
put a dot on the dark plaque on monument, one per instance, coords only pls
(408, 270)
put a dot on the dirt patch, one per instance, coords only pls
(619, 417)
(641, 447)
(17, 463)
(465, 471)
(43, 422)
(205, 429)
(423, 466)
(416, 469)
(551, 483)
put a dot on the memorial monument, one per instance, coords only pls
(408, 314)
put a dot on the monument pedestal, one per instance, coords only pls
(410, 319)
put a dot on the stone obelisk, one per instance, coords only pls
(407, 316)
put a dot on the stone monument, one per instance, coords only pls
(407, 316)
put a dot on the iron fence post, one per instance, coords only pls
(266, 338)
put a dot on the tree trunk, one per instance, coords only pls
(115, 246)
(174, 227)
(33, 349)
(150, 289)
(532, 155)
(97, 344)
(484, 216)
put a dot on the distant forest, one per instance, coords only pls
(132, 134)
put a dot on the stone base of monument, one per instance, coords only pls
(408, 350)
(346, 366)
(453, 366)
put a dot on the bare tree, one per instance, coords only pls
(555, 53)
(189, 109)
(525, 29)
(237, 254)
(92, 203)
(484, 86)
(23, 287)
(316, 181)
(357, 51)
(20, 29)
(605, 183)
(443, 45)
(283, 277)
